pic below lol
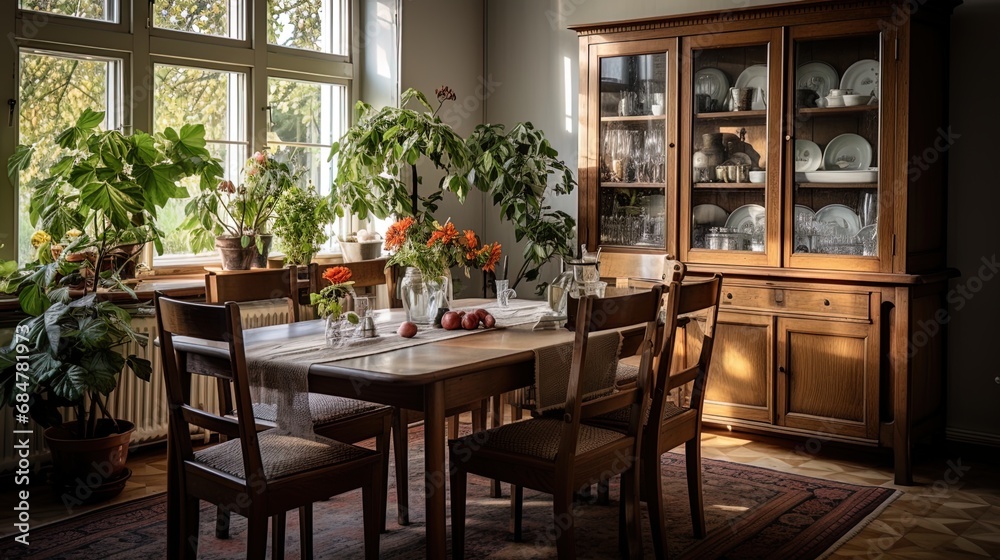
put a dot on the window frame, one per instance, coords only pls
(140, 48)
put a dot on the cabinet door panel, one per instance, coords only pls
(739, 377)
(828, 377)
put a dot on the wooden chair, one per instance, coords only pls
(699, 302)
(558, 454)
(258, 284)
(338, 418)
(374, 273)
(257, 475)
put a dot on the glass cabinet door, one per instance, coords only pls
(726, 180)
(835, 153)
(632, 150)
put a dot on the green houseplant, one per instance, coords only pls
(513, 167)
(301, 216)
(68, 353)
(234, 218)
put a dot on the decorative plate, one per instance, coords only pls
(817, 76)
(862, 77)
(808, 156)
(847, 151)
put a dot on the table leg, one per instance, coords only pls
(497, 410)
(434, 468)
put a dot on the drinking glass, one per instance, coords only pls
(595, 288)
(868, 209)
(504, 293)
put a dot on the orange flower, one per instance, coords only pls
(337, 274)
(493, 252)
(446, 233)
(396, 235)
(469, 241)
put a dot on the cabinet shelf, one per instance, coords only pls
(837, 185)
(728, 186)
(632, 185)
(636, 118)
(836, 111)
(730, 115)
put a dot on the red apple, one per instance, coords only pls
(489, 321)
(407, 329)
(482, 313)
(451, 320)
(470, 322)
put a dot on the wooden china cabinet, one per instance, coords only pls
(800, 150)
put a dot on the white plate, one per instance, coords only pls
(803, 210)
(847, 151)
(838, 176)
(862, 77)
(743, 218)
(808, 156)
(709, 215)
(754, 77)
(817, 76)
(841, 216)
(713, 82)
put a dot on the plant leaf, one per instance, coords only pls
(118, 202)
(19, 161)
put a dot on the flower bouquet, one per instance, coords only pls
(430, 252)
(329, 302)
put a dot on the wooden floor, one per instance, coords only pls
(953, 512)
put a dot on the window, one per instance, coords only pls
(219, 18)
(215, 99)
(297, 111)
(306, 118)
(315, 25)
(54, 88)
(101, 10)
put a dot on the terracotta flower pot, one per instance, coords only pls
(90, 470)
(260, 261)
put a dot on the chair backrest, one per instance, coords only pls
(696, 302)
(363, 273)
(642, 270)
(259, 284)
(604, 314)
(219, 324)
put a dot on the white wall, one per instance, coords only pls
(528, 44)
(442, 44)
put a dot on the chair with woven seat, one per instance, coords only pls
(559, 454)
(257, 475)
(699, 304)
(337, 418)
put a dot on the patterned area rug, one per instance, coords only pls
(751, 513)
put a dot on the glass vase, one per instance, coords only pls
(421, 297)
(334, 331)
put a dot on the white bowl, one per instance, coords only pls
(854, 100)
(835, 101)
(758, 176)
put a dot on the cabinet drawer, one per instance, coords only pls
(806, 302)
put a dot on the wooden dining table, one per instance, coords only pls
(429, 377)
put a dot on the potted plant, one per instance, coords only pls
(374, 153)
(111, 185)
(234, 218)
(513, 167)
(103, 193)
(301, 215)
